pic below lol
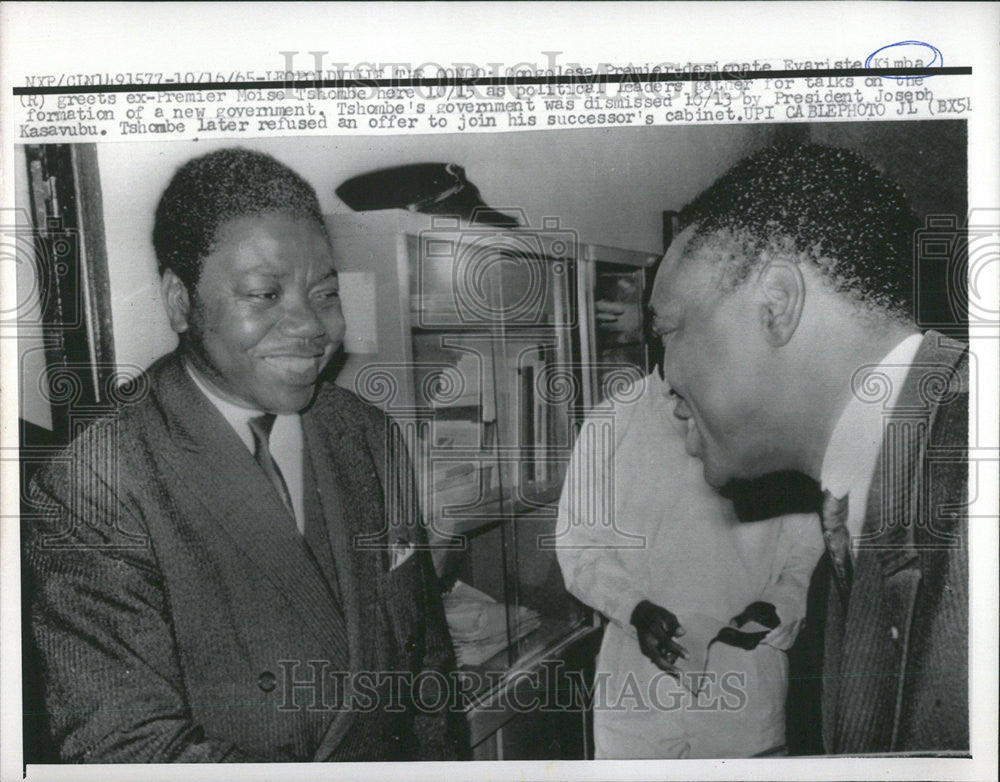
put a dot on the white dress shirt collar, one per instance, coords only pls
(236, 415)
(852, 453)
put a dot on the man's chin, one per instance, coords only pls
(714, 477)
(290, 401)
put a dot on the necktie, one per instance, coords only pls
(838, 543)
(260, 427)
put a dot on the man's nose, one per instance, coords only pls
(300, 320)
(682, 410)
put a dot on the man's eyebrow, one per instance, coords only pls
(330, 275)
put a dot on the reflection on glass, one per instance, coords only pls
(495, 385)
(618, 322)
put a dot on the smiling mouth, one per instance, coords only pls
(298, 365)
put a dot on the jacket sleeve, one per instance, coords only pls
(800, 546)
(99, 620)
(586, 549)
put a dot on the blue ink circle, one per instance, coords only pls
(937, 61)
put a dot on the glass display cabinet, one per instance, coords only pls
(486, 345)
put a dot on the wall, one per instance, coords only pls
(34, 406)
(610, 185)
(928, 159)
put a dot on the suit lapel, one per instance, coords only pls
(887, 563)
(351, 498)
(894, 499)
(833, 638)
(212, 464)
(343, 512)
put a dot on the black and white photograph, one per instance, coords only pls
(191, 596)
(466, 450)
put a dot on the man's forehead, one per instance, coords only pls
(273, 234)
(271, 245)
(674, 268)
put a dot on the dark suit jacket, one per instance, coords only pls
(896, 666)
(178, 615)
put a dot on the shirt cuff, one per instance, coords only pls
(784, 635)
(621, 614)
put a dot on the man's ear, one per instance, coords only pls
(783, 294)
(176, 301)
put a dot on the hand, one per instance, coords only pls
(760, 612)
(656, 628)
(608, 311)
(616, 318)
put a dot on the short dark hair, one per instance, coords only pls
(209, 191)
(821, 203)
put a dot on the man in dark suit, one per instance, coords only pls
(784, 307)
(230, 568)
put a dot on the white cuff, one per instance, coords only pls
(784, 635)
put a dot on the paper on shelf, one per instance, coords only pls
(478, 624)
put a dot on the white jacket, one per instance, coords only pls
(637, 521)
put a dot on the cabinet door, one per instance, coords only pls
(544, 736)
(482, 340)
(495, 380)
(561, 727)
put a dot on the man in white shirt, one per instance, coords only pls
(640, 531)
(784, 307)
